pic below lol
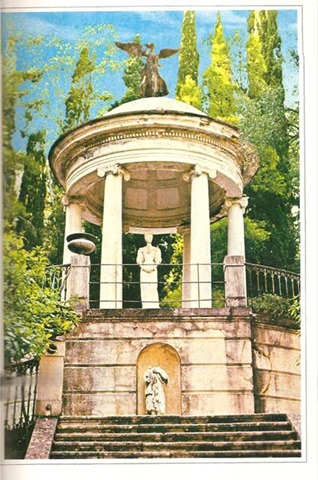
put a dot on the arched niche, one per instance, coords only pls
(166, 357)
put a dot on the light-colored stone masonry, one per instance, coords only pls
(102, 374)
(276, 359)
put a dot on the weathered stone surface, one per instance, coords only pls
(234, 276)
(177, 436)
(277, 359)
(101, 378)
(276, 354)
(215, 355)
(152, 328)
(42, 438)
(78, 282)
(190, 350)
(100, 404)
(50, 382)
(272, 335)
(274, 404)
(217, 403)
(278, 384)
(217, 377)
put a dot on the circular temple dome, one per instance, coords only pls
(156, 104)
(156, 142)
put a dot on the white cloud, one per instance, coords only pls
(36, 26)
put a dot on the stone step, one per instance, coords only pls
(175, 437)
(163, 446)
(176, 419)
(123, 454)
(96, 427)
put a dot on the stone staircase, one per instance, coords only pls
(173, 436)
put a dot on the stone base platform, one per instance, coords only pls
(207, 354)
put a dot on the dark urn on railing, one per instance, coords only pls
(81, 243)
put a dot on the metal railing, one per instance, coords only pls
(170, 284)
(262, 279)
(19, 387)
(56, 278)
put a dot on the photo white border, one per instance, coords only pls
(307, 468)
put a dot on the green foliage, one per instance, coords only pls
(295, 309)
(188, 63)
(190, 92)
(80, 96)
(132, 76)
(256, 66)
(33, 192)
(256, 236)
(272, 191)
(54, 223)
(271, 46)
(273, 308)
(32, 309)
(12, 80)
(217, 78)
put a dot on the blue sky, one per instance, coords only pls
(161, 27)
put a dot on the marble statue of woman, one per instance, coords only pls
(148, 258)
(155, 378)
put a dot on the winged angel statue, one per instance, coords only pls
(151, 85)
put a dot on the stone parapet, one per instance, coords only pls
(276, 365)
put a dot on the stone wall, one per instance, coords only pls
(276, 360)
(104, 369)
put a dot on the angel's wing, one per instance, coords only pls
(133, 48)
(168, 52)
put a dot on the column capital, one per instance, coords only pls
(67, 201)
(230, 201)
(196, 171)
(114, 170)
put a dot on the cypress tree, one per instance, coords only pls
(256, 65)
(271, 47)
(187, 89)
(80, 96)
(33, 192)
(271, 192)
(217, 78)
(13, 79)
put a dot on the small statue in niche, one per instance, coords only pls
(155, 378)
(148, 258)
(152, 85)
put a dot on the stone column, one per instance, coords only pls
(73, 224)
(234, 262)
(186, 275)
(200, 240)
(111, 258)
